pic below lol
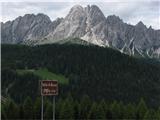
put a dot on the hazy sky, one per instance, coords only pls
(131, 11)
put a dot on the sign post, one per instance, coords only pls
(42, 109)
(49, 88)
(53, 107)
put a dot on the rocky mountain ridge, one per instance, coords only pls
(89, 24)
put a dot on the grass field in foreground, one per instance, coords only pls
(45, 75)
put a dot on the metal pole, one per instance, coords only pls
(53, 107)
(42, 109)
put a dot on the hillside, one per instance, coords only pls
(100, 73)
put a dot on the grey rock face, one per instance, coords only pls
(86, 23)
(89, 24)
(132, 39)
(27, 28)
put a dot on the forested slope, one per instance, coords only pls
(100, 73)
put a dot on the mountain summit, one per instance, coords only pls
(87, 23)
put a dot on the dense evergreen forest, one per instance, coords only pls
(84, 108)
(104, 75)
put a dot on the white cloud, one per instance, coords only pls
(131, 11)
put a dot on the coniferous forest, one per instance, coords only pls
(102, 83)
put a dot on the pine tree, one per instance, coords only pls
(21, 112)
(85, 106)
(3, 112)
(141, 109)
(67, 111)
(59, 104)
(48, 114)
(92, 112)
(101, 113)
(108, 111)
(37, 108)
(101, 110)
(115, 110)
(129, 112)
(12, 110)
(28, 108)
(121, 110)
(76, 110)
(158, 114)
(150, 115)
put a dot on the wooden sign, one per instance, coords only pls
(49, 87)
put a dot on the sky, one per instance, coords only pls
(130, 11)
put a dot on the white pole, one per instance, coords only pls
(53, 107)
(42, 109)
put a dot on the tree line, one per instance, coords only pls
(85, 108)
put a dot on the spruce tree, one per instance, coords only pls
(115, 110)
(92, 114)
(28, 108)
(100, 111)
(37, 108)
(21, 112)
(85, 106)
(48, 113)
(3, 112)
(121, 110)
(12, 110)
(76, 110)
(130, 111)
(67, 111)
(158, 114)
(150, 115)
(59, 104)
(141, 109)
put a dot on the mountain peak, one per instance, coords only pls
(150, 28)
(41, 14)
(141, 25)
(95, 7)
(95, 14)
(43, 17)
(76, 7)
(113, 19)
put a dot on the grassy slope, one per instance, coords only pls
(46, 75)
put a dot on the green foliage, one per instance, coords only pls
(85, 106)
(3, 114)
(37, 108)
(45, 74)
(28, 108)
(21, 112)
(141, 109)
(150, 114)
(130, 111)
(68, 108)
(93, 73)
(76, 110)
(58, 107)
(10, 110)
(103, 108)
(48, 114)
(115, 110)
(101, 73)
(158, 114)
(93, 112)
